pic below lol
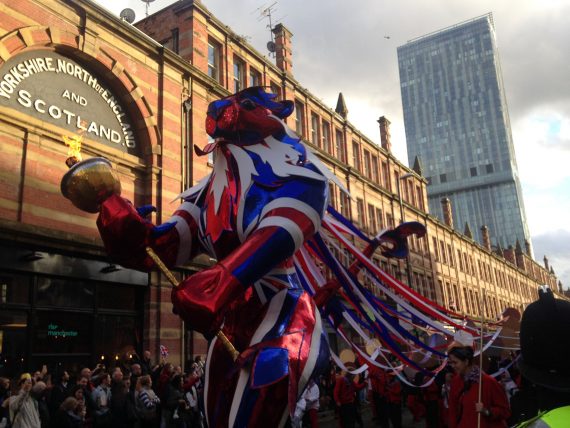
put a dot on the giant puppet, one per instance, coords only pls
(263, 214)
(265, 196)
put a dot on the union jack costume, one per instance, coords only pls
(266, 196)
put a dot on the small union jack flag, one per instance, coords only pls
(163, 351)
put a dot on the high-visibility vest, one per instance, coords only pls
(556, 418)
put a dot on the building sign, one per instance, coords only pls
(56, 331)
(58, 90)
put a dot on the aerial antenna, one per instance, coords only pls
(128, 15)
(147, 4)
(265, 13)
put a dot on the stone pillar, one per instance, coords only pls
(527, 247)
(486, 238)
(447, 213)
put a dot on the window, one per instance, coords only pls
(327, 137)
(171, 42)
(55, 292)
(239, 74)
(214, 60)
(360, 212)
(356, 156)
(366, 167)
(489, 168)
(443, 178)
(374, 169)
(372, 219)
(275, 89)
(340, 148)
(473, 171)
(315, 129)
(254, 77)
(385, 175)
(379, 218)
(175, 39)
(420, 198)
(442, 251)
(14, 289)
(332, 195)
(390, 221)
(435, 249)
(345, 205)
(299, 118)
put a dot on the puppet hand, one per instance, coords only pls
(201, 299)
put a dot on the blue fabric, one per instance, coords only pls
(287, 310)
(271, 364)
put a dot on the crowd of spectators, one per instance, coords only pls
(130, 395)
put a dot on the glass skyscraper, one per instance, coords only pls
(457, 123)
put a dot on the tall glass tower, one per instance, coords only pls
(457, 124)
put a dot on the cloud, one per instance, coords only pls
(339, 46)
(556, 246)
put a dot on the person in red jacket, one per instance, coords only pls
(464, 405)
(394, 399)
(344, 397)
(378, 380)
(432, 397)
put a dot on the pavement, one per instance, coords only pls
(328, 419)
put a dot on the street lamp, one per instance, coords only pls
(400, 178)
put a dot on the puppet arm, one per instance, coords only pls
(126, 234)
(201, 299)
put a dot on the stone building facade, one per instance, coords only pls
(138, 96)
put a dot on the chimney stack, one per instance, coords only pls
(509, 255)
(486, 237)
(447, 214)
(519, 255)
(527, 247)
(385, 139)
(283, 50)
(546, 266)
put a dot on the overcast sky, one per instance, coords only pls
(350, 47)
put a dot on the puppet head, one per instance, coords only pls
(247, 117)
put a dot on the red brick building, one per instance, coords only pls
(138, 96)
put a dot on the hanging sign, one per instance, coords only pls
(61, 91)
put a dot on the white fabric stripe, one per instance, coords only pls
(315, 271)
(260, 293)
(281, 271)
(183, 229)
(297, 205)
(284, 223)
(184, 239)
(240, 387)
(191, 209)
(268, 284)
(195, 189)
(313, 353)
(207, 376)
(268, 322)
(270, 318)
